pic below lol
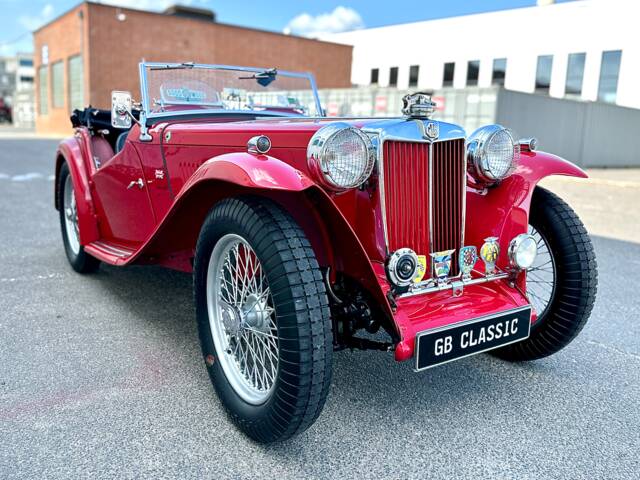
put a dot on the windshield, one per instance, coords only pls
(171, 88)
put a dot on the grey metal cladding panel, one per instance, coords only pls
(611, 136)
(557, 124)
(586, 133)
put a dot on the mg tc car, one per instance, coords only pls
(306, 234)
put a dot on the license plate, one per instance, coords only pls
(442, 345)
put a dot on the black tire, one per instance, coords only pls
(302, 316)
(576, 280)
(81, 261)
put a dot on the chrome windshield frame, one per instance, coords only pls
(146, 117)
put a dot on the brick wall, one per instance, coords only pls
(63, 38)
(116, 39)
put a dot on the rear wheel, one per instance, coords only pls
(562, 284)
(263, 318)
(79, 260)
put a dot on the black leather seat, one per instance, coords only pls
(120, 141)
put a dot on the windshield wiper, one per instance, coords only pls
(181, 66)
(263, 78)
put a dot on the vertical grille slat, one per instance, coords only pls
(407, 196)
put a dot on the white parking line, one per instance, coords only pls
(26, 177)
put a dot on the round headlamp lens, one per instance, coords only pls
(523, 251)
(342, 156)
(499, 155)
(345, 158)
(493, 153)
(263, 144)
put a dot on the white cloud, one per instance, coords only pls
(31, 22)
(342, 19)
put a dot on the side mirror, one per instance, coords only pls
(121, 104)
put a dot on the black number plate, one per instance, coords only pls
(434, 347)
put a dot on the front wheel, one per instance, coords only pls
(263, 318)
(561, 285)
(79, 260)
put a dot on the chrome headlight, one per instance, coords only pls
(340, 156)
(492, 153)
(522, 252)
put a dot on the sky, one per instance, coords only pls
(301, 17)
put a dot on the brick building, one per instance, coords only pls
(93, 48)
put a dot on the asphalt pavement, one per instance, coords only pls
(101, 375)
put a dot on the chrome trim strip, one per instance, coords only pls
(144, 129)
(463, 220)
(379, 145)
(111, 250)
(428, 286)
(431, 204)
(468, 322)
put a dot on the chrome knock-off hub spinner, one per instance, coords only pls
(256, 313)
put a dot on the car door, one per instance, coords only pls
(124, 209)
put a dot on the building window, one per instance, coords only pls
(575, 74)
(43, 90)
(26, 62)
(375, 73)
(393, 76)
(499, 71)
(449, 70)
(473, 72)
(609, 71)
(543, 73)
(76, 83)
(414, 73)
(57, 84)
(24, 79)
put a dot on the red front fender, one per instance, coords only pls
(251, 171)
(71, 152)
(503, 211)
(534, 166)
(332, 237)
(220, 177)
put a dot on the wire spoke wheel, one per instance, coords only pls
(562, 282)
(541, 277)
(263, 318)
(71, 216)
(242, 319)
(67, 207)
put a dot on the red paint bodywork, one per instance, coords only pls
(190, 165)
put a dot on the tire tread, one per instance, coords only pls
(577, 279)
(301, 302)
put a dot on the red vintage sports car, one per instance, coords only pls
(307, 235)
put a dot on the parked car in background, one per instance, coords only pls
(307, 235)
(5, 112)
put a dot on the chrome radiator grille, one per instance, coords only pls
(423, 220)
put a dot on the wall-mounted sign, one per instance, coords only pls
(333, 109)
(44, 55)
(381, 103)
(439, 101)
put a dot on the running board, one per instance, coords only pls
(109, 253)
